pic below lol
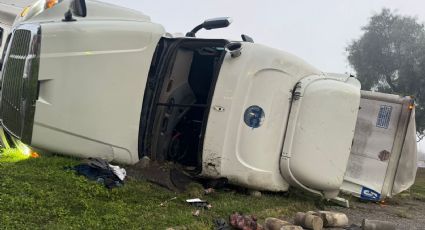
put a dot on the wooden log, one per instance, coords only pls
(333, 219)
(275, 224)
(377, 225)
(313, 222)
(291, 227)
(309, 221)
(299, 218)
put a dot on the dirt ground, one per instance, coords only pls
(407, 210)
(407, 215)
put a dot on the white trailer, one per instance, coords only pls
(104, 81)
(383, 159)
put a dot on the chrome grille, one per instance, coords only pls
(19, 82)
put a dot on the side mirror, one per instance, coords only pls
(77, 8)
(210, 24)
(215, 23)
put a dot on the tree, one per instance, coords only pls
(390, 57)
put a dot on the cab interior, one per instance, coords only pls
(180, 87)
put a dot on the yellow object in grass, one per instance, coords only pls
(12, 155)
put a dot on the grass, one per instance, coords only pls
(40, 194)
(417, 191)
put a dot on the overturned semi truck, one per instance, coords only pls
(90, 79)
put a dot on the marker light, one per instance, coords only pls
(411, 107)
(25, 11)
(50, 3)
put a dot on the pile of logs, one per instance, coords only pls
(322, 220)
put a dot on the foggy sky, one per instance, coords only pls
(317, 31)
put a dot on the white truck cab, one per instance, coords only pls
(114, 85)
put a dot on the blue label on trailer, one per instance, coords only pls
(369, 194)
(384, 116)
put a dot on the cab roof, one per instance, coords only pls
(96, 10)
(17, 4)
(9, 9)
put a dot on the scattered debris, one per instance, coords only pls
(100, 170)
(196, 213)
(377, 225)
(119, 172)
(255, 193)
(164, 204)
(341, 202)
(209, 191)
(244, 222)
(221, 224)
(194, 200)
(199, 203)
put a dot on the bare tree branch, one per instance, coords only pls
(393, 87)
(420, 136)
